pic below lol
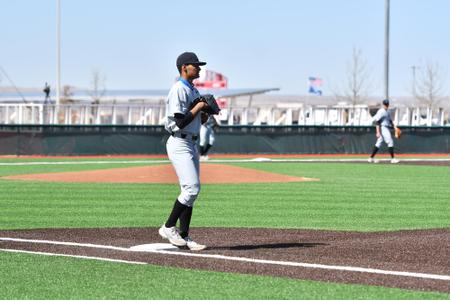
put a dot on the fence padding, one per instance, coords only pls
(124, 139)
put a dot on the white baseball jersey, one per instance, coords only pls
(383, 118)
(180, 98)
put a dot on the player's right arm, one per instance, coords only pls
(179, 112)
(378, 130)
(377, 120)
(182, 120)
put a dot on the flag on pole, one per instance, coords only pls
(315, 85)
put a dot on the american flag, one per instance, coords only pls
(315, 85)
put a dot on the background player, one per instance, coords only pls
(383, 125)
(207, 136)
(183, 120)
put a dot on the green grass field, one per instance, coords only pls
(360, 197)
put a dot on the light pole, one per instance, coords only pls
(386, 50)
(58, 51)
(414, 68)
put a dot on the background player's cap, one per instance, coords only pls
(189, 58)
(386, 102)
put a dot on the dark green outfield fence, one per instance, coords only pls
(103, 140)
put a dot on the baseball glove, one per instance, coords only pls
(213, 107)
(398, 133)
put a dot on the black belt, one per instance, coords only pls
(184, 135)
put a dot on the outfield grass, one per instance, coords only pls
(348, 197)
(361, 197)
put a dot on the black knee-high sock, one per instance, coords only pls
(374, 151)
(206, 148)
(391, 151)
(185, 221)
(177, 210)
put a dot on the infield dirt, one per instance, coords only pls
(420, 251)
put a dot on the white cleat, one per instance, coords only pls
(394, 161)
(371, 160)
(193, 246)
(204, 158)
(172, 235)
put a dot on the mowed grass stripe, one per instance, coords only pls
(347, 197)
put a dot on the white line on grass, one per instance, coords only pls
(260, 159)
(76, 256)
(86, 245)
(240, 259)
(97, 162)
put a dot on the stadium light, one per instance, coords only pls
(386, 50)
(58, 51)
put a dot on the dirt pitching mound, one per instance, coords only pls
(209, 173)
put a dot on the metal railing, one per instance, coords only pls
(153, 114)
(77, 114)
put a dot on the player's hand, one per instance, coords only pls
(202, 105)
(198, 107)
(378, 135)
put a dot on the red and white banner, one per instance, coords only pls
(211, 80)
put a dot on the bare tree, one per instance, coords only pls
(427, 88)
(356, 87)
(97, 86)
(357, 78)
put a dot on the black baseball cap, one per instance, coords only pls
(189, 58)
(386, 102)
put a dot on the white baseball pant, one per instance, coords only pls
(184, 156)
(207, 136)
(385, 137)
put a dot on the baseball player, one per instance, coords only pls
(207, 137)
(383, 125)
(183, 120)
